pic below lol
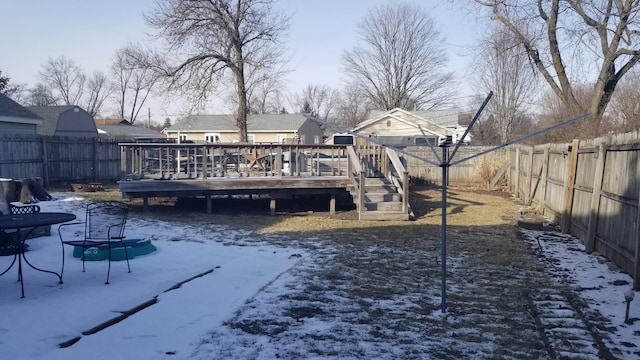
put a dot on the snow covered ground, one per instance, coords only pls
(250, 296)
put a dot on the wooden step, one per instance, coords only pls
(384, 215)
(382, 201)
(383, 206)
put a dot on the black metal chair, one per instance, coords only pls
(25, 209)
(7, 242)
(103, 229)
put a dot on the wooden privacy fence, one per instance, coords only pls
(591, 187)
(59, 159)
(472, 172)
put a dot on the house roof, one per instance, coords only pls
(129, 131)
(99, 121)
(407, 117)
(12, 109)
(227, 123)
(50, 114)
(446, 118)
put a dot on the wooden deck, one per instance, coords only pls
(280, 171)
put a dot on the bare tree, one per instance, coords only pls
(65, 78)
(554, 110)
(503, 67)
(401, 60)
(98, 90)
(264, 83)
(40, 95)
(625, 104)
(134, 80)
(353, 108)
(552, 31)
(319, 100)
(213, 37)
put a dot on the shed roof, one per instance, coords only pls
(255, 123)
(50, 114)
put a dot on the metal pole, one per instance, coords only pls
(445, 165)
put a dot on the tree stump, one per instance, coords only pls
(32, 188)
(9, 190)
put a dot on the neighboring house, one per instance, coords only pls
(100, 121)
(261, 128)
(399, 127)
(16, 119)
(67, 120)
(122, 129)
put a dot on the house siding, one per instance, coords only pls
(17, 128)
(308, 131)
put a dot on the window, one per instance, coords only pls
(388, 123)
(182, 138)
(317, 139)
(282, 138)
(251, 138)
(212, 138)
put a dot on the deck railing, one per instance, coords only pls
(202, 161)
(206, 161)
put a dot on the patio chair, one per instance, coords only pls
(103, 229)
(7, 244)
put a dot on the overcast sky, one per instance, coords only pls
(89, 32)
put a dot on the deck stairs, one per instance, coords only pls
(382, 200)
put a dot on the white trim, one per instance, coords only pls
(20, 120)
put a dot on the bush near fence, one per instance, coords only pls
(59, 159)
(591, 187)
(479, 171)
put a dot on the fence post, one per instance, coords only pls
(569, 185)
(544, 178)
(590, 240)
(95, 159)
(45, 162)
(517, 179)
(528, 194)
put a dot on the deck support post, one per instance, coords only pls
(145, 204)
(332, 204)
(272, 206)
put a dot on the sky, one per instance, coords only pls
(89, 32)
(233, 274)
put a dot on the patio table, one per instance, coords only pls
(29, 221)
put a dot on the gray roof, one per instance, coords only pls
(50, 114)
(255, 122)
(129, 131)
(446, 118)
(11, 108)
